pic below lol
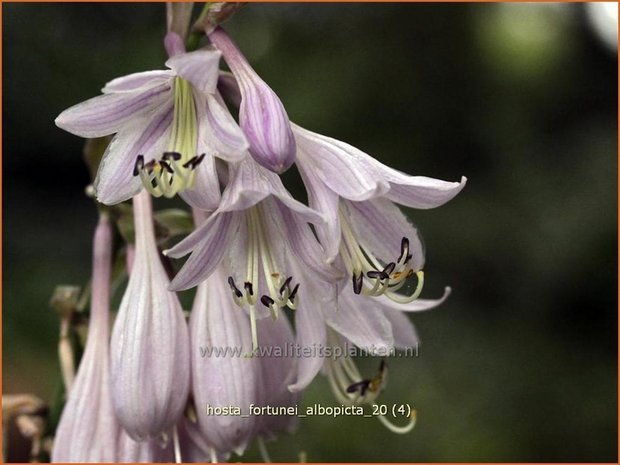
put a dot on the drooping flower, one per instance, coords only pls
(364, 228)
(150, 342)
(256, 227)
(279, 370)
(221, 375)
(261, 113)
(88, 429)
(169, 125)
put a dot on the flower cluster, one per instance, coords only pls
(348, 266)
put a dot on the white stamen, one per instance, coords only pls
(259, 253)
(366, 267)
(169, 176)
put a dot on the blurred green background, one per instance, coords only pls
(520, 364)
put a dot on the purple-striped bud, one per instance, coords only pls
(88, 430)
(150, 342)
(262, 116)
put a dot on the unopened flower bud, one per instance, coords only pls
(150, 342)
(262, 116)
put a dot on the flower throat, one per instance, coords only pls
(175, 170)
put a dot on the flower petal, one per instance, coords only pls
(322, 199)
(317, 301)
(278, 371)
(380, 226)
(230, 378)
(108, 113)
(250, 183)
(405, 335)
(216, 234)
(115, 181)
(221, 132)
(310, 330)
(205, 193)
(340, 166)
(361, 321)
(137, 81)
(301, 241)
(420, 191)
(150, 342)
(201, 68)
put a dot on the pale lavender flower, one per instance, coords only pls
(364, 229)
(261, 113)
(88, 429)
(225, 378)
(150, 343)
(279, 372)
(169, 125)
(257, 226)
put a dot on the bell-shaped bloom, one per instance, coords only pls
(150, 342)
(223, 373)
(279, 368)
(169, 125)
(88, 429)
(257, 226)
(364, 229)
(261, 113)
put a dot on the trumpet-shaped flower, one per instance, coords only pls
(364, 228)
(150, 342)
(261, 113)
(258, 224)
(169, 124)
(88, 429)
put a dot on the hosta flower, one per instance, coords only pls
(364, 228)
(88, 430)
(261, 113)
(257, 226)
(222, 379)
(150, 343)
(278, 373)
(168, 124)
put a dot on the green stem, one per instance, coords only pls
(193, 38)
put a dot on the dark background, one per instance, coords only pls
(520, 363)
